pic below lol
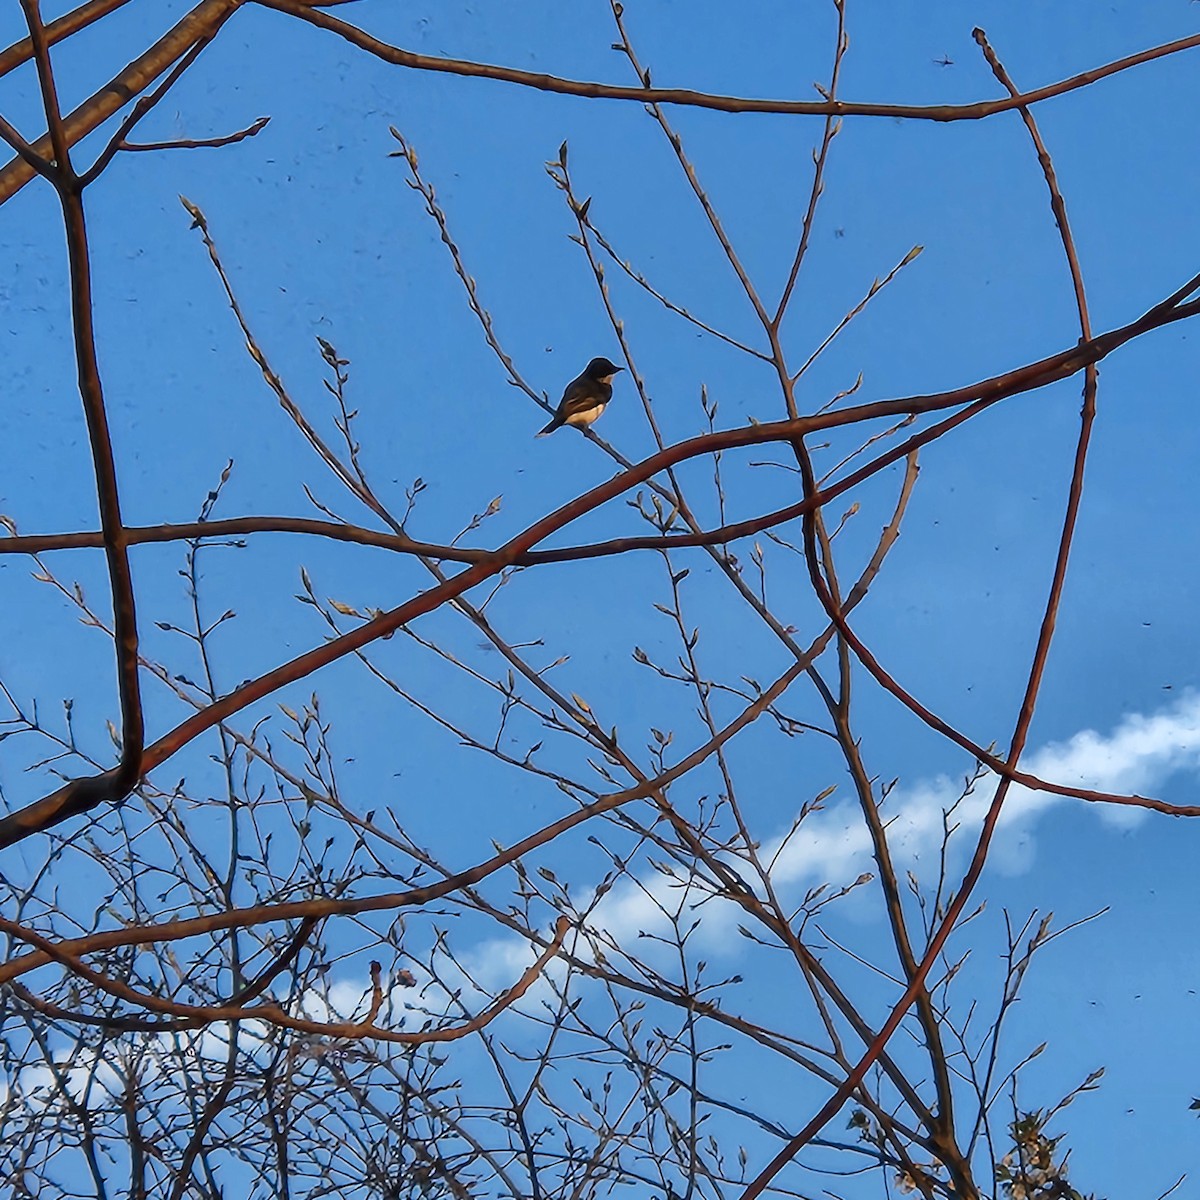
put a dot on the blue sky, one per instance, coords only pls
(322, 236)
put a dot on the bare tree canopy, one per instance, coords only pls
(397, 805)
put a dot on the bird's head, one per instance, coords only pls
(601, 369)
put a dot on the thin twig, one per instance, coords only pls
(200, 143)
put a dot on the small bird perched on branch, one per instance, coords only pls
(585, 397)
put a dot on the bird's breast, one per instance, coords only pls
(586, 416)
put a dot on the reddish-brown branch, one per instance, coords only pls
(129, 769)
(694, 99)
(136, 1023)
(81, 795)
(272, 1014)
(1088, 417)
(37, 543)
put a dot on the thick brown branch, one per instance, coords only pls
(129, 769)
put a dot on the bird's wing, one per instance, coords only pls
(580, 396)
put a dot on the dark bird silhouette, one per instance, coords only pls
(586, 396)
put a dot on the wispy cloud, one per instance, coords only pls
(832, 844)
(1138, 756)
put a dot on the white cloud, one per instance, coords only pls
(1138, 756)
(343, 1000)
(832, 845)
(81, 1071)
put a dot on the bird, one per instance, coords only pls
(585, 396)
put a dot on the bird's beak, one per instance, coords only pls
(619, 369)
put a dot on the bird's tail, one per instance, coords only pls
(554, 424)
